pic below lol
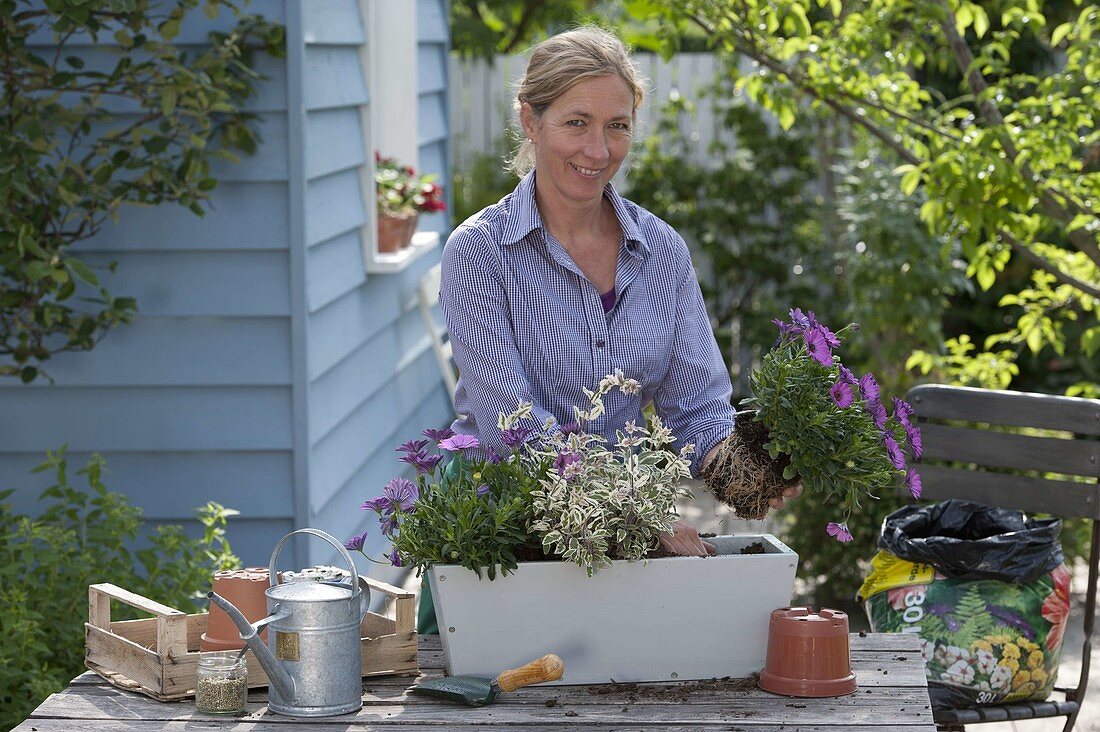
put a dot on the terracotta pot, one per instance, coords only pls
(245, 589)
(395, 233)
(808, 654)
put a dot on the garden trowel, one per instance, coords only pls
(476, 692)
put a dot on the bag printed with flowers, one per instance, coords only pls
(983, 641)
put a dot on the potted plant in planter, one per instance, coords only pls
(565, 521)
(401, 195)
(810, 418)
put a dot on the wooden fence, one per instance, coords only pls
(482, 94)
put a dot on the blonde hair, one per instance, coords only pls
(561, 61)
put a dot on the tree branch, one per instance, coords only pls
(521, 27)
(978, 86)
(1026, 252)
(745, 46)
(749, 49)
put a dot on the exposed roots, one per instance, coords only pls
(743, 475)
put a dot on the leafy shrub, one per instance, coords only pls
(81, 538)
(601, 504)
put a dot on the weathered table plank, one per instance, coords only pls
(892, 696)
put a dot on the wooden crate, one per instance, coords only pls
(159, 656)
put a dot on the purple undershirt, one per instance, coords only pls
(608, 300)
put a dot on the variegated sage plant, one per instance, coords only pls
(602, 502)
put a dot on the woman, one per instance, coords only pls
(563, 281)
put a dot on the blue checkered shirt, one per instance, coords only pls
(526, 325)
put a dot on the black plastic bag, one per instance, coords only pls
(968, 540)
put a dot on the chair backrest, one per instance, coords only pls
(965, 445)
(959, 425)
(428, 295)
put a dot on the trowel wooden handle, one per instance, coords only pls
(547, 668)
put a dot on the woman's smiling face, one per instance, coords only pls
(582, 138)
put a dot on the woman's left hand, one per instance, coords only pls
(684, 541)
(793, 492)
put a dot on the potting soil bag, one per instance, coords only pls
(986, 591)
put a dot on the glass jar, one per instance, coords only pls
(222, 684)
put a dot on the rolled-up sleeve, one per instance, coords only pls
(694, 397)
(491, 379)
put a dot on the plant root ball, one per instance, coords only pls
(742, 474)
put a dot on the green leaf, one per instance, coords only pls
(910, 181)
(1059, 33)
(786, 116)
(82, 271)
(1090, 341)
(981, 21)
(168, 99)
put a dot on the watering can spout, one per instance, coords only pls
(276, 674)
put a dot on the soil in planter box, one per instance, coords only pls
(743, 475)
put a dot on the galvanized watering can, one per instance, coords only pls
(313, 661)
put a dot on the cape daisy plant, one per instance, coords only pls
(819, 423)
(462, 508)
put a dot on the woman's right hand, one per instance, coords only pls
(684, 541)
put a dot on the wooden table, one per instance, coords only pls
(892, 695)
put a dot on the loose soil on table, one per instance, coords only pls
(680, 692)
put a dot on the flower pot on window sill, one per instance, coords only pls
(395, 232)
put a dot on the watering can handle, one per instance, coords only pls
(327, 537)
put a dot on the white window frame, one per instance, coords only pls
(389, 121)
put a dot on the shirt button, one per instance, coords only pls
(600, 344)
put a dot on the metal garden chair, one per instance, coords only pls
(962, 444)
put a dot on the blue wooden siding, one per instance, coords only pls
(265, 370)
(373, 382)
(192, 402)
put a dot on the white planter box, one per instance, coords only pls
(670, 618)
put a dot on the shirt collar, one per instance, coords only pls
(524, 216)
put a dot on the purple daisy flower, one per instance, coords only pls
(868, 388)
(438, 435)
(799, 321)
(570, 428)
(903, 411)
(564, 460)
(848, 377)
(355, 543)
(492, 458)
(395, 559)
(817, 347)
(458, 442)
(515, 436)
(912, 434)
(893, 451)
(427, 463)
(839, 532)
(422, 461)
(841, 393)
(878, 413)
(785, 329)
(380, 504)
(402, 494)
(483, 490)
(828, 335)
(913, 483)
(412, 446)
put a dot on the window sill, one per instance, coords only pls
(422, 243)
